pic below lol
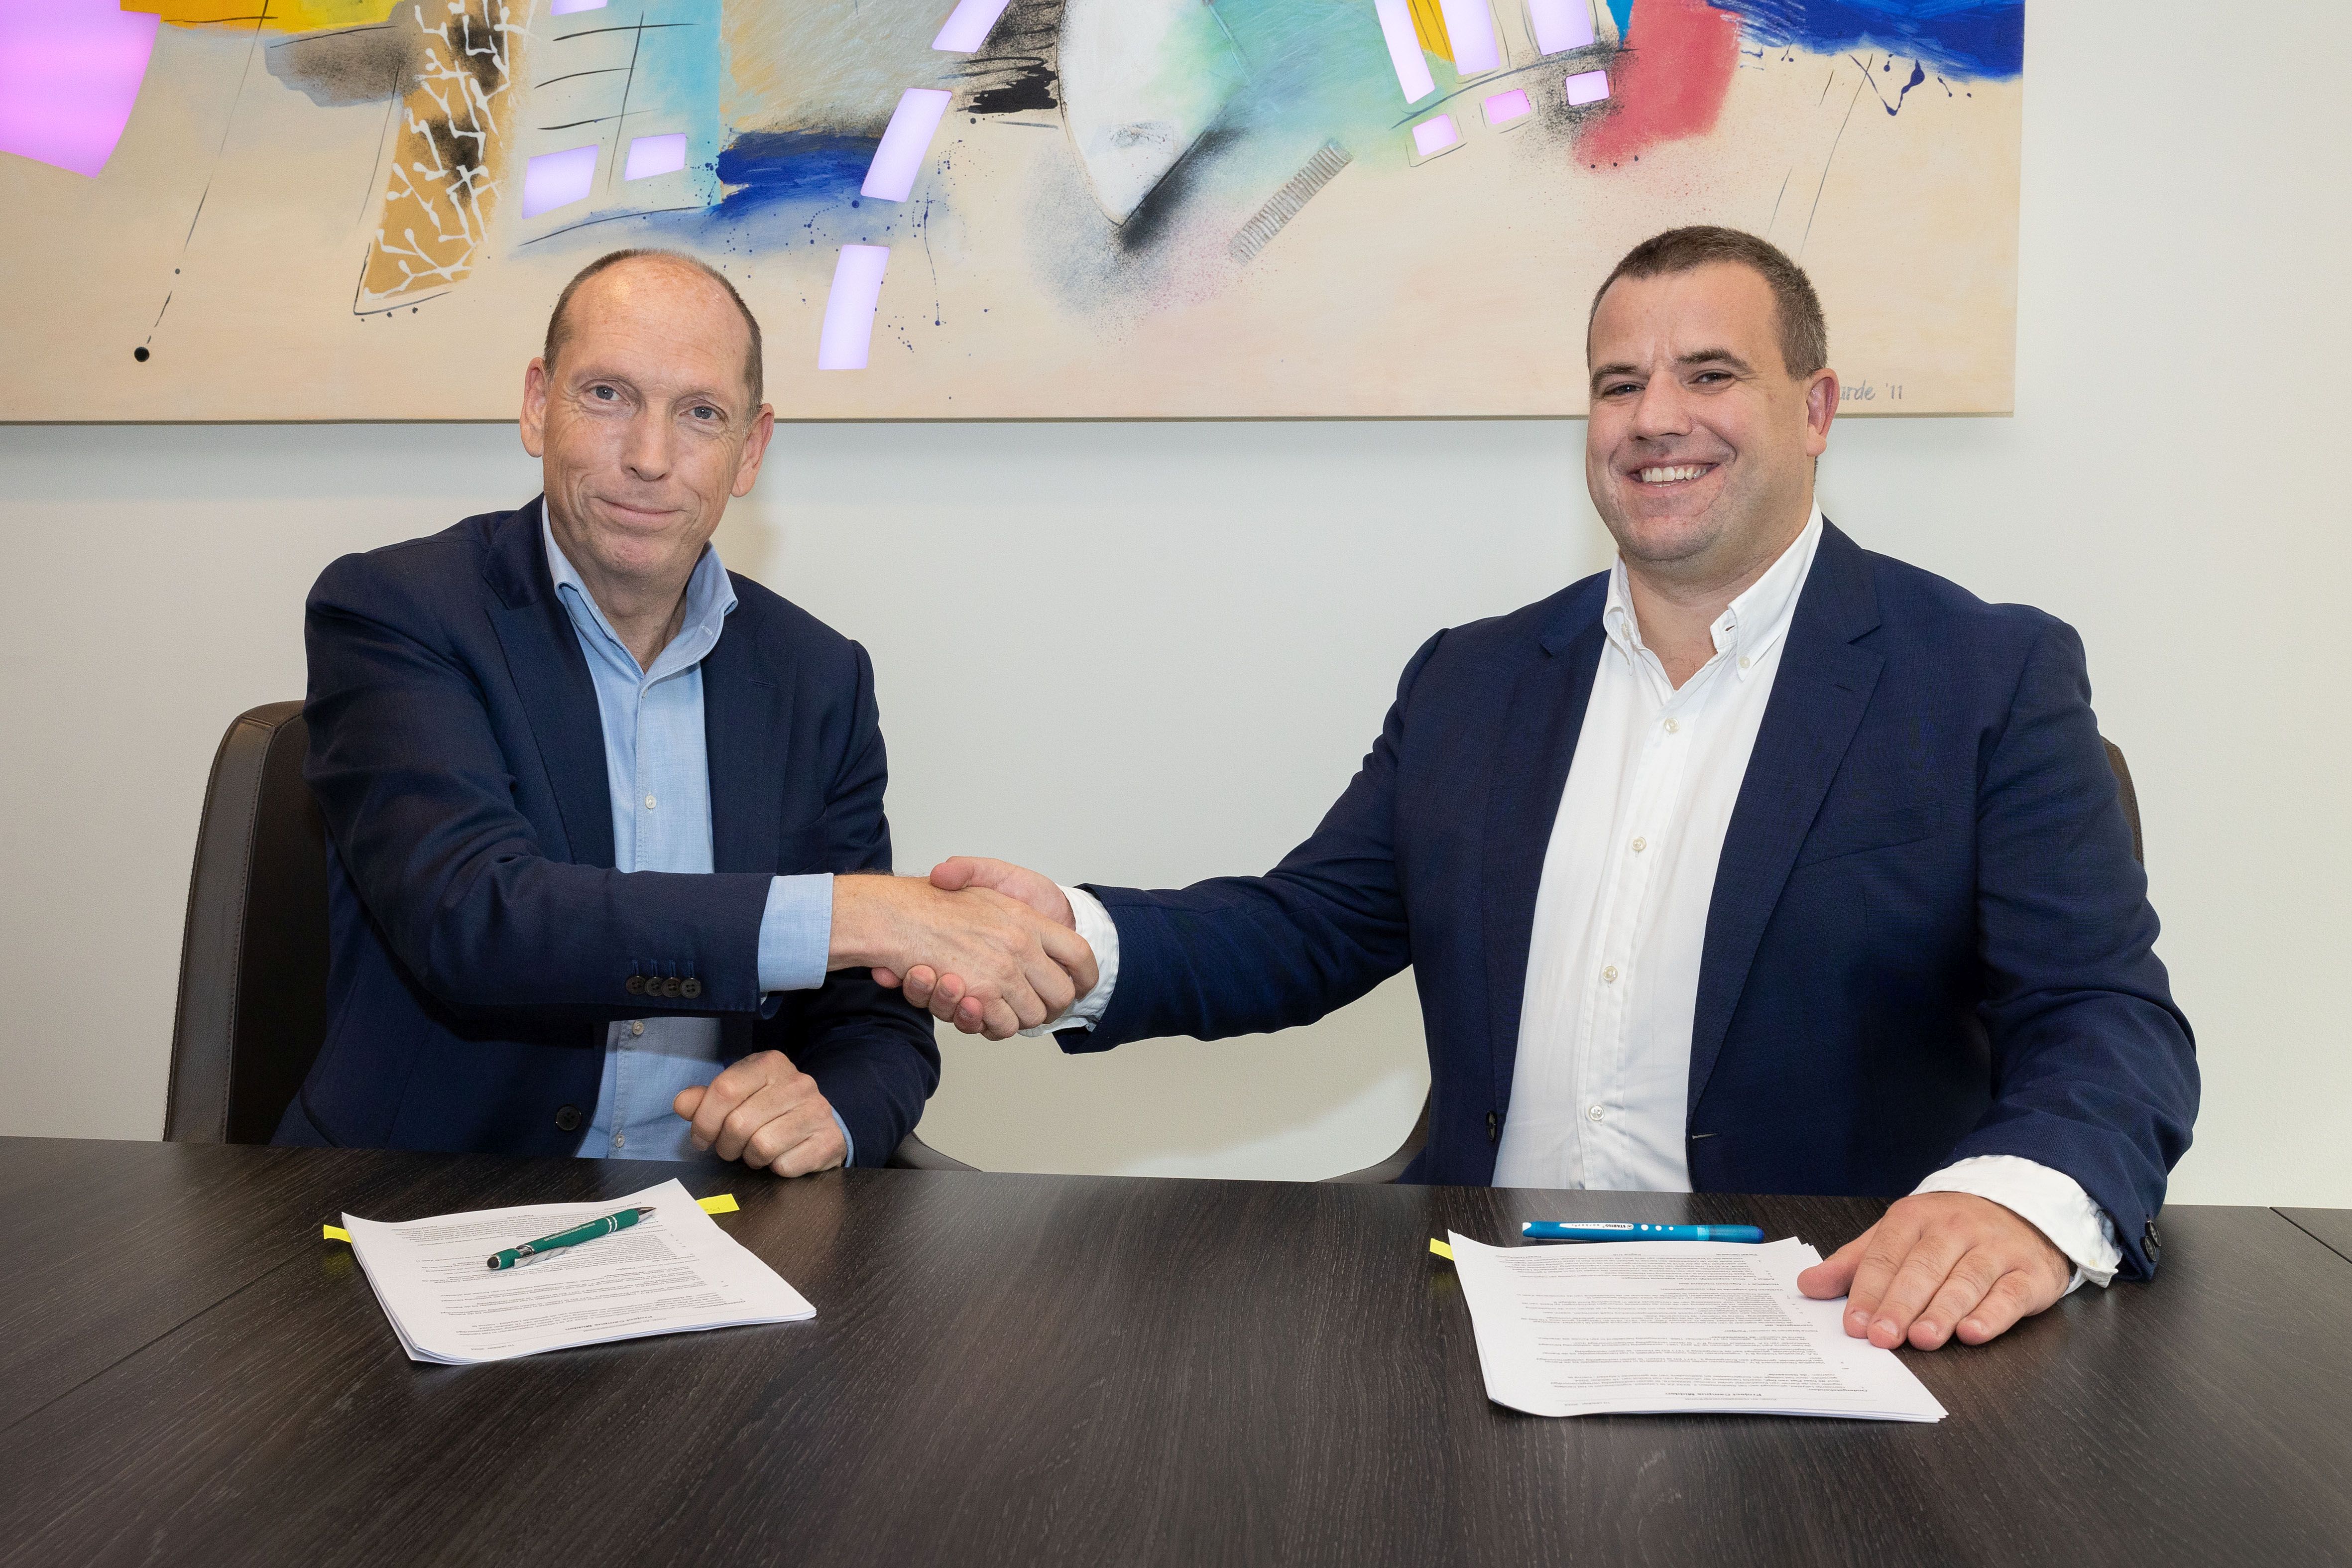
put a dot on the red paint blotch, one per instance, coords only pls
(1671, 80)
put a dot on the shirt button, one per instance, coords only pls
(1610, 974)
(637, 1025)
(1640, 845)
(621, 1140)
(1593, 1113)
(1671, 727)
(649, 802)
(1743, 661)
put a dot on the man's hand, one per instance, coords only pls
(1937, 1264)
(1014, 969)
(947, 994)
(767, 1113)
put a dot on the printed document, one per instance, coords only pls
(674, 1271)
(1642, 1327)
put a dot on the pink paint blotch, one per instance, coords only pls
(69, 73)
(1671, 80)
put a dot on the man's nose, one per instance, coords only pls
(1662, 410)
(647, 452)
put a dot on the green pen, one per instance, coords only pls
(573, 1238)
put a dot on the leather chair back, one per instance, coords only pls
(253, 962)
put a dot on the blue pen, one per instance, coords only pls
(1555, 1230)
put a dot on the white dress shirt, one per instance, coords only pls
(1600, 1092)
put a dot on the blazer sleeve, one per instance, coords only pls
(1241, 956)
(2095, 1069)
(872, 1052)
(419, 799)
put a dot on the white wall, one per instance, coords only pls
(1153, 652)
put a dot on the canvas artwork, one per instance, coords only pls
(362, 209)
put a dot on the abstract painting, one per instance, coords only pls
(361, 209)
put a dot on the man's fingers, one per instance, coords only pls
(2013, 1296)
(726, 1091)
(688, 1100)
(888, 979)
(1000, 1022)
(780, 1138)
(762, 1106)
(821, 1151)
(958, 872)
(1971, 1279)
(947, 991)
(1923, 1273)
(1834, 1275)
(1070, 953)
(919, 983)
(1884, 1247)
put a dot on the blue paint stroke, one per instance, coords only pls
(802, 169)
(1622, 11)
(1957, 38)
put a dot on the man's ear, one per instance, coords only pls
(534, 407)
(755, 450)
(1820, 407)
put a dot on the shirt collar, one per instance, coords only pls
(709, 599)
(1750, 626)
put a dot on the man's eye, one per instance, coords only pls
(603, 394)
(704, 411)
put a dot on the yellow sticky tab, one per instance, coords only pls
(336, 1232)
(723, 1203)
(1440, 1249)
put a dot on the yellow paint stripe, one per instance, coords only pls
(1429, 27)
(1440, 1249)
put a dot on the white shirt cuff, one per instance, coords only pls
(2052, 1201)
(1095, 924)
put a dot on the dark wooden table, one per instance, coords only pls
(1043, 1370)
(2331, 1227)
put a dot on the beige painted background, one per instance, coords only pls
(1152, 652)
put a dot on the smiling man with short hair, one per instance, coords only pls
(1757, 863)
(597, 807)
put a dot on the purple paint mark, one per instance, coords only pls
(1433, 136)
(1587, 87)
(651, 155)
(967, 25)
(69, 73)
(849, 309)
(566, 7)
(1471, 27)
(556, 179)
(1506, 107)
(905, 144)
(1562, 25)
(1404, 50)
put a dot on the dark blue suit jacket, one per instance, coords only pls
(1928, 938)
(481, 937)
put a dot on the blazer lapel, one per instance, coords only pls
(1530, 770)
(551, 675)
(1818, 701)
(746, 718)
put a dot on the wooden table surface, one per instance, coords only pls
(1084, 1370)
(2332, 1226)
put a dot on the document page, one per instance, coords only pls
(674, 1271)
(1635, 1327)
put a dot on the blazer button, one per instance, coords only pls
(691, 988)
(2148, 1237)
(673, 987)
(636, 986)
(567, 1119)
(1494, 1127)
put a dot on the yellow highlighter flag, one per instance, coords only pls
(723, 1203)
(1440, 1249)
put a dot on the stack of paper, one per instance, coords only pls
(1627, 1328)
(672, 1272)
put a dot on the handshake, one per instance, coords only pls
(989, 947)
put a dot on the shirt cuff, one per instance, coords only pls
(1101, 934)
(2051, 1200)
(850, 1158)
(796, 932)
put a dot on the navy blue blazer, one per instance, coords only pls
(481, 937)
(1928, 939)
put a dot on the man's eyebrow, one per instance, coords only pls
(1715, 357)
(1604, 371)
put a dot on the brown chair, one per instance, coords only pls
(1390, 1169)
(253, 962)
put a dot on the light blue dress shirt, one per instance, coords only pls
(658, 767)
